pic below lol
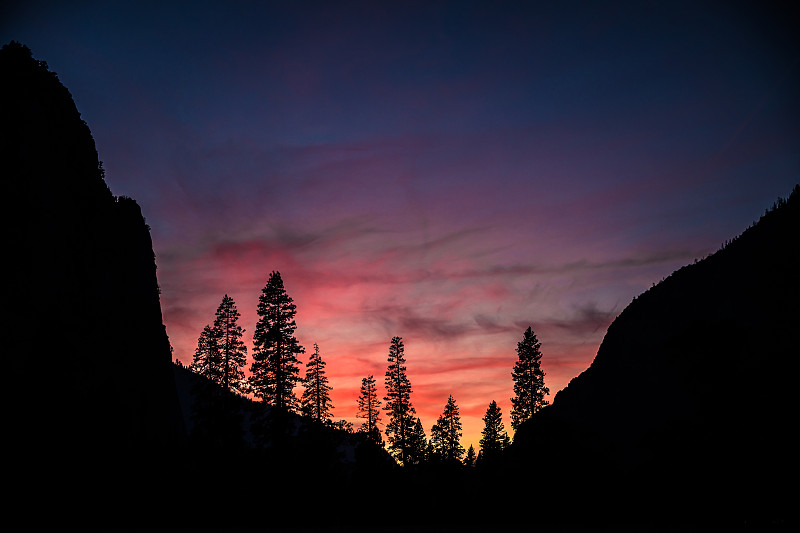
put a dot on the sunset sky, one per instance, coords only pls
(447, 172)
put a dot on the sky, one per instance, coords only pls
(448, 172)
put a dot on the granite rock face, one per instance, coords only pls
(88, 361)
(690, 400)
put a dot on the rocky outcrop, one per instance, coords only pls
(690, 399)
(87, 359)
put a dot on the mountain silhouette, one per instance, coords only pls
(90, 393)
(689, 405)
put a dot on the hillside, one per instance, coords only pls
(89, 375)
(689, 401)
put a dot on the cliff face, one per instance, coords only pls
(87, 356)
(692, 388)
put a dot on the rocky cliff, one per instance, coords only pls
(690, 400)
(89, 382)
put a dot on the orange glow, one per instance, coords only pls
(474, 368)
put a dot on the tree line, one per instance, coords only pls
(221, 356)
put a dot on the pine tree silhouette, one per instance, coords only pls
(206, 370)
(529, 388)
(217, 363)
(446, 433)
(232, 350)
(417, 445)
(494, 437)
(398, 402)
(316, 399)
(369, 409)
(469, 459)
(275, 368)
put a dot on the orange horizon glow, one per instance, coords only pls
(474, 370)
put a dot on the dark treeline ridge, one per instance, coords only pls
(684, 417)
(293, 437)
(219, 384)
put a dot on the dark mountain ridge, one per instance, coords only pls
(690, 398)
(90, 391)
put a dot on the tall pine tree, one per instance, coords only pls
(398, 402)
(417, 445)
(529, 387)
(232, 350)
(469, 459)
(207, 359)
(206, 403)
(316, 400)
(275, 367)
(218, 363)
(233, 356)
(369, 409)
(494, 437)
(446, 433)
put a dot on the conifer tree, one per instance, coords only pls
(529, 387)
(232, 350)
(316, 400)
(398, 402)
(206, 370)
(469, 460)
(369, 409)
(446, 433)
(342, 425)
(430, 455)
(494, 437)
(275, 367)
(435, 444)
(217, 362)
(417, 451)
(207, 359)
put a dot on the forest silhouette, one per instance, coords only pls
(683, 417)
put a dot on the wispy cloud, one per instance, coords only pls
(586, 318)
